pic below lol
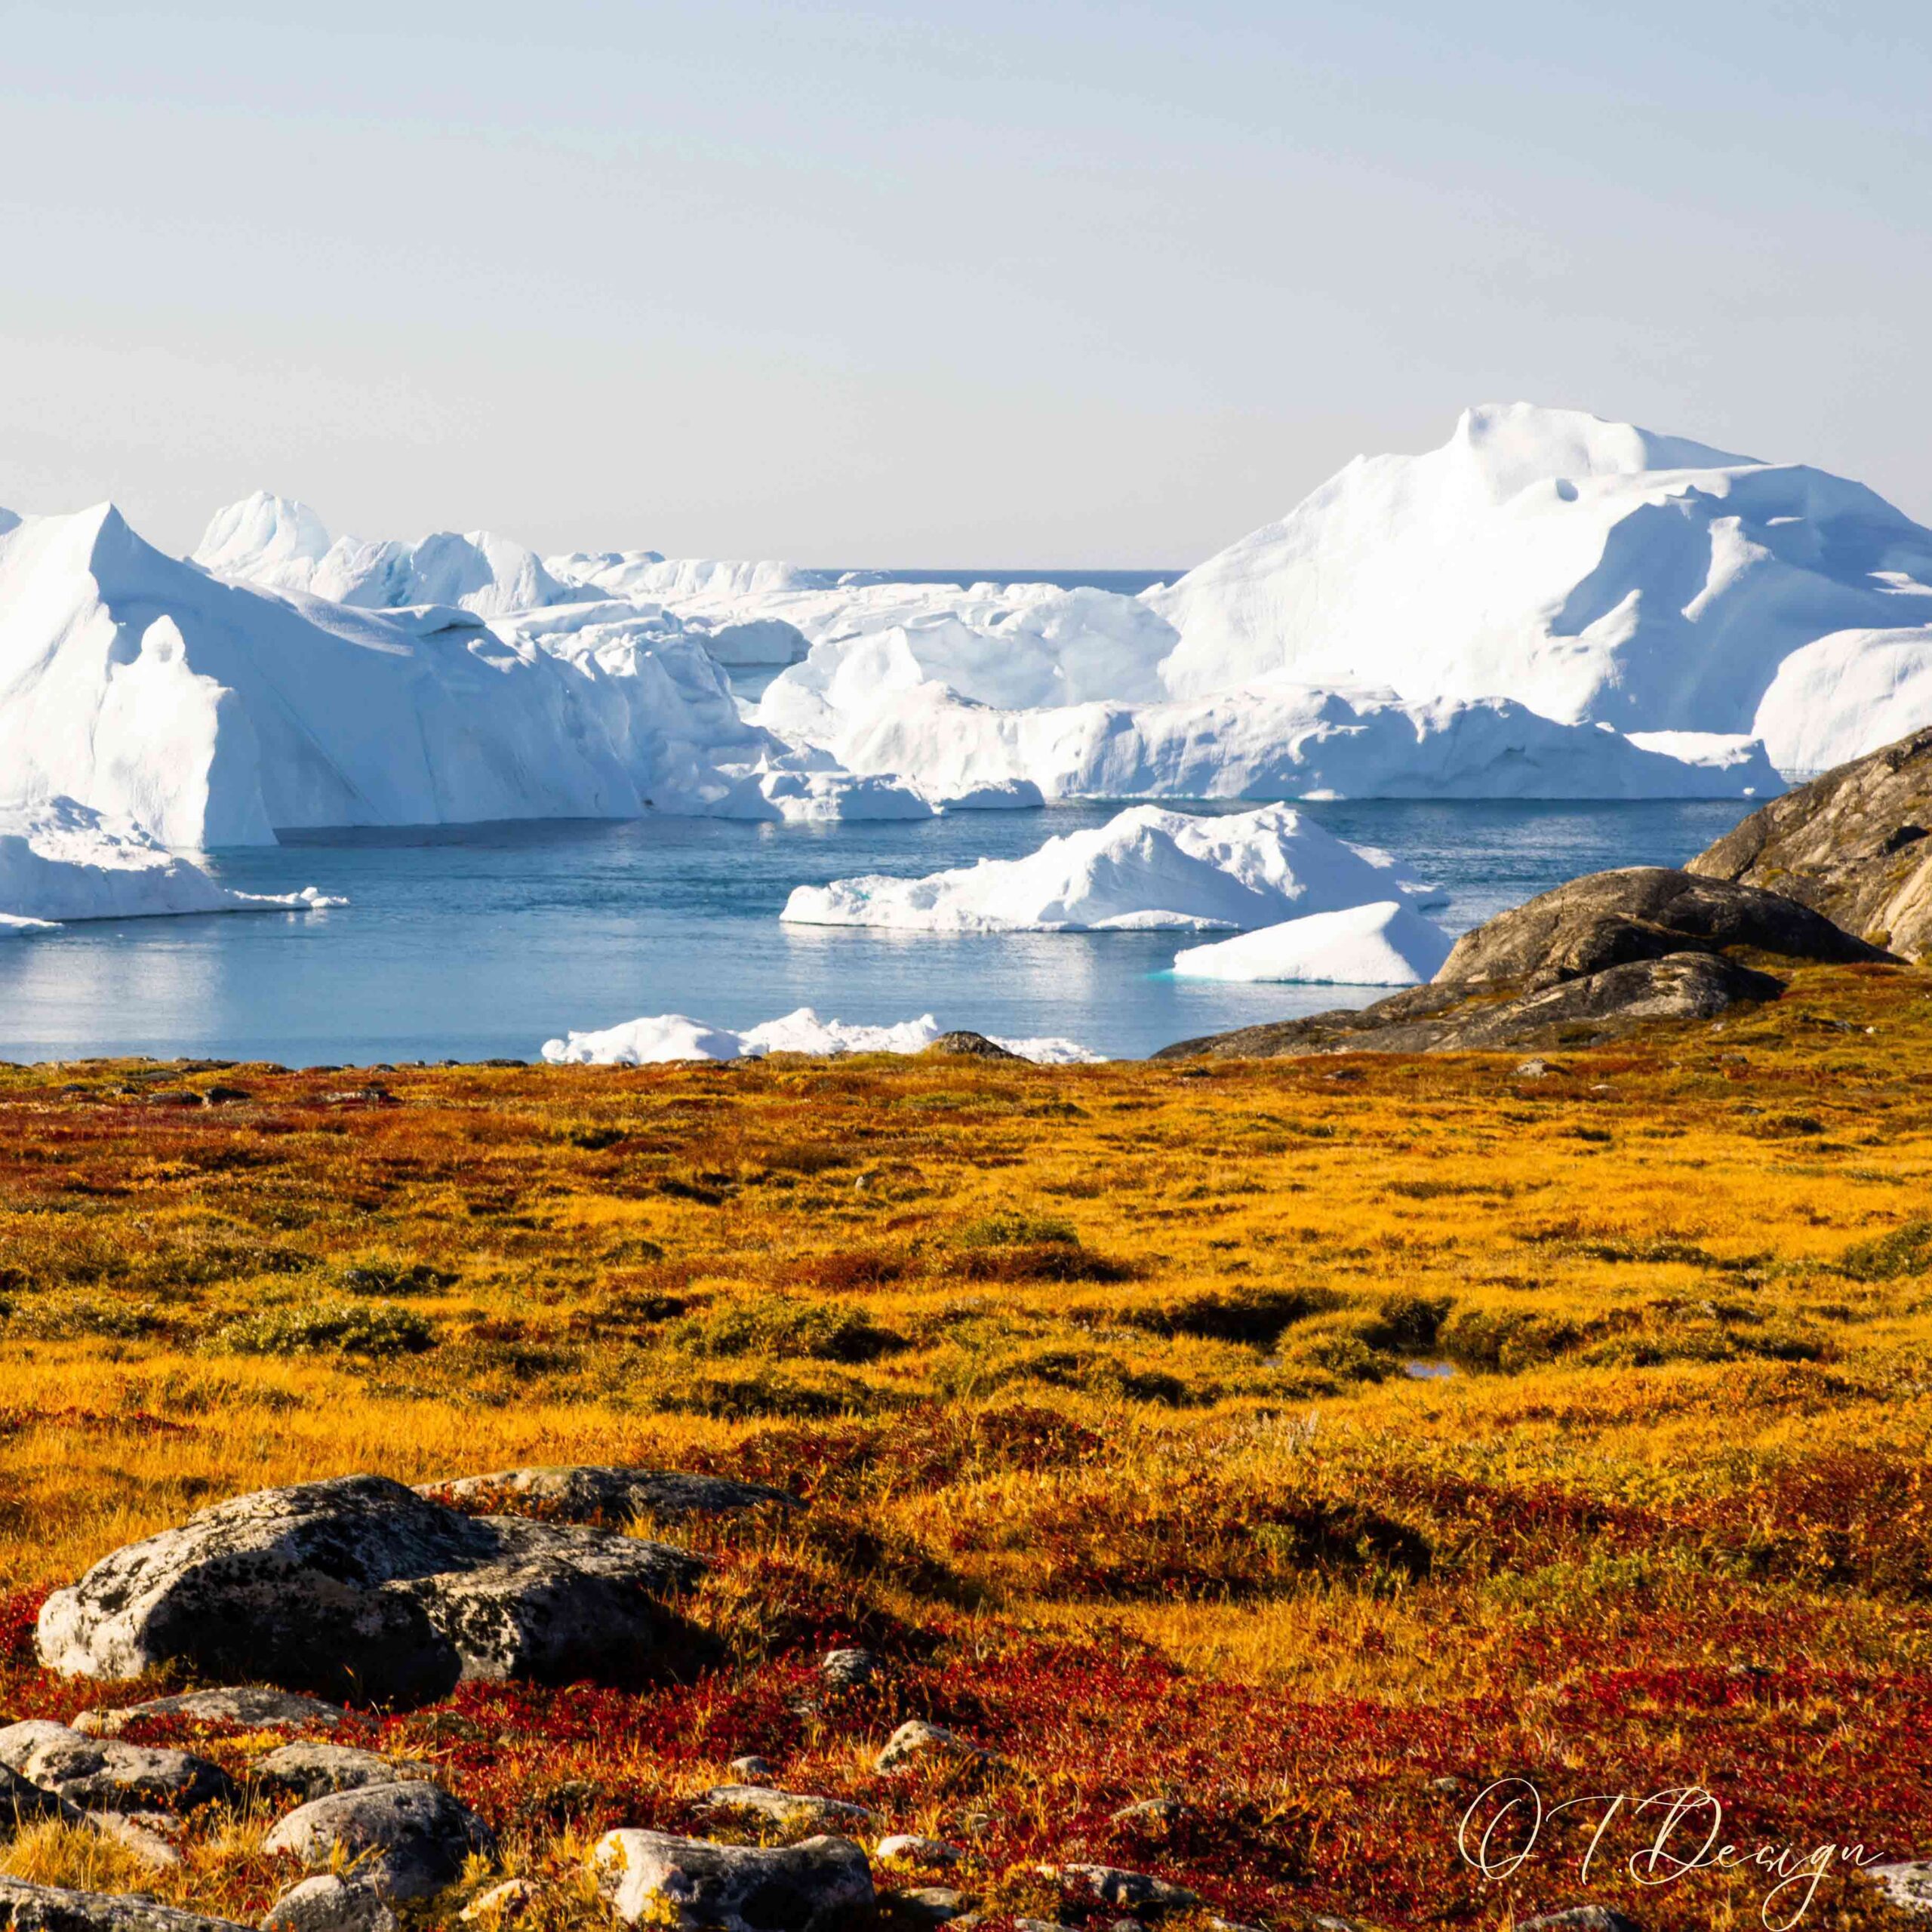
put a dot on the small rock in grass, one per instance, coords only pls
(330, 1903)
(916, 1739)
(1908, 1885)
(1135, 1891)
(584, 1492)
(657, 1879)
(1449, 1787)
(1158, 1814)
(510, 1900)
(846, 1669)
(246, 1706)
(790, 1809)
(25, 1907)
(753, 1770)
(1328, 1922)
(106, 1775)
(1039, 1925)
(1581, 1918)
(410, 1839)
(1533, 1069)
(1230, 1925)
(909, 1848)
(141, 1841)
(936, 1904)
(307, 1770)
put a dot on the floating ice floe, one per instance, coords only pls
(1382, 944)
(671, 1036)
(1146, 868)
(61, 860)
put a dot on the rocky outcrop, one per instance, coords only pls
(408, 1840)
(962, 1044)
(1638, 912)
(1605, 1006)
(790, 1810)
(308, 1769)
(1606, 956)
(240, 1706)
(29, 1908)
(359, 1588)
(654, 1878)
(106, 1775)
(1855, 845)
(603, 1493)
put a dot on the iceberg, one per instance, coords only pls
(61, 860)
(1381, 944)
(216, 713)
(1594, 571)
(1846, 695)
(1146, 868)
(671, 1036)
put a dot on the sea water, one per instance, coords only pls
(474, 942)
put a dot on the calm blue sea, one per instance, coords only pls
(482, 941)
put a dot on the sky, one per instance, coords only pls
(1000, 283)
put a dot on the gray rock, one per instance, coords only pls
(103, 1774)
(1156, 1814)
(753, 1770)
(1639, 912)
(846, 1669)
(1134, 1891)
(791, 1809)
(1581, 1918)
(510, 1900)
(151, 1847)
(1605, 1006)
(916, 1739)
(22, 1803)
(1855, 845)
(1908, 1884)
(245, 1706)
(29, 1907)
(407, 1840)
(1039, 1925)
(910, 1848)
(330, 1903)
(360, 1587)
(590, 1492)
(935, 1904)
(309, 1768)
(819, 1886)
(972, 1046)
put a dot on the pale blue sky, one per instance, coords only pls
(989, 283)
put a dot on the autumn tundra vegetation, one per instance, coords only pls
(1257, 1460)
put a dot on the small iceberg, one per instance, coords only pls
(672, 1036)
(1381, 944)
(1145, 868)
(61, 860)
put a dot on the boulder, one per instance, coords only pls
(329, 1903)
(933, 1904)
(972, 1046)
(1129, 1891)
(1605, 1006)
(1907, 1885)
(1855, 845)
(22, 1803)
(141, 1840)
(1639, 912)
(753, 1770)
(790, 1811)
(102, 1774)
(311, 1769)
(590, 1492)
(358, 1586)
(916, 1740)
(847, 1669)
(30, 1908)
(822, 1885)
(242, 1706)
(408, 1840)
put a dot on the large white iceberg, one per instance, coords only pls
(60, 860)
(1146, 868)
(1382, 944)
(671, 1036)
(215, 713)
(1846, 695)
(1592, 570)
